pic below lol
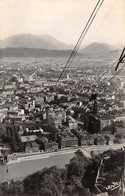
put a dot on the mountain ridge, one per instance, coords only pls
(33, 52)
(34, 41)
(27, 45)
(46, 41)
(97, 48)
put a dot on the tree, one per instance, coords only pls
(12, 189)
(14, 138)
(77, 165)
(74, 187)
(90, 174)
(107, 138)
(113, 128)
(117, 138)
(51, 180)
(16, 188)
(19, 142)
(3, 132)
(76, 179)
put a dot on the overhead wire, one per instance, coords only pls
(114, 75)
(95, 33)
(118, 62)
(112, 64)
(118, 72)
(83, 34)
(121, 59)
(102, 22)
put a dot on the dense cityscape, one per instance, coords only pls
(62, 98)
(38, 116)
(83, 113)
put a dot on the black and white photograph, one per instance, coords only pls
(62, 97)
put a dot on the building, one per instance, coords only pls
(99, 140)
(66, 139)
(54, 121)
(19, 91)
(39, 100)
(9, 86)
(29, 138)
(86, 140)
(28, 148)
(105, 122)
(102, 194)
(71, 122)
(16, 118)
(120, 118)
(12, 112)
(8, 92)
(48, 146)
(35, 147)
(92, 123)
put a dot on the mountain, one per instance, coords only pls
(33, 52)
(56, 43)
(33, 41)
(97, 48)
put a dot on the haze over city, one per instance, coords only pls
(64, 20)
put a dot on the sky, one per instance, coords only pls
(64, 19)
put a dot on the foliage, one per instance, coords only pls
(55, 181)
(51, 180)
(89, 177)
(118, 137)
(76, 179)
(2, 130)
(77, 165)
(12, 189)
(14, 138)
(110, 169)
(111, 128)
(74, 187)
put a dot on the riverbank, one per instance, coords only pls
(40, 156)
(24, 166)
(18, 157)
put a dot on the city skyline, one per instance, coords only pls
(64, 20)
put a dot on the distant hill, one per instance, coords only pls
(28, 45)
(97, 48)
(33, 41)
(33, 52)
(54, 42)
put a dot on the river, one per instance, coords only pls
(28, 165)
(21, 169)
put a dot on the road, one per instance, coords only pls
(24, 166)
(85, 149)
